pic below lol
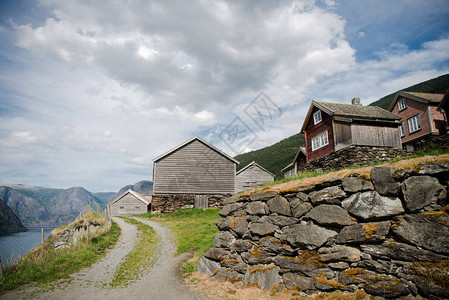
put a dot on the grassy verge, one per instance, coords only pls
(57, 263)
(194, 229)
(431, 150)
(140, 258)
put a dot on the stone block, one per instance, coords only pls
(279, 205)
(383, 181)
(422, 191)
(208, 266)
(330, 215)
(330, 195)
(266, 276)
(306, 236)
(364, 232)
(371, 205)
(356, 184)
(258, 208)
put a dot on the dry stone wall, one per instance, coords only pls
(387, 235)
(353, 156)
(173, 202)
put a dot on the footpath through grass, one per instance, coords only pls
(194, 229)
(141, 258)
(57, 263)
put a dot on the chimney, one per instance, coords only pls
(356, 101)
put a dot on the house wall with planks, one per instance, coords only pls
(194, 168)
(251, 178)
(128, 205)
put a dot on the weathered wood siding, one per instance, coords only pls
(128, 205)
(194, 169)
(251, 178)
(343, 135)
(372, 135)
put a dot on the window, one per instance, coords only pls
(122, 207)
(319, 141)
(402, 104)
(137, 207)
(401, 129)
(317, 117)
(414, 124)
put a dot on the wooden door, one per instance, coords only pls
(201, 201)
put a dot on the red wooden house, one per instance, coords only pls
(419, 116)
(329, 127)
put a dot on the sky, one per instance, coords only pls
(91, 93)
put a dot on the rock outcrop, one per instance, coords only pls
(387, 235)
(9, 222)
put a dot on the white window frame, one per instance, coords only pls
(402, 129)
(414, 123)
(402, 104)
(320, 141)
(317, 117)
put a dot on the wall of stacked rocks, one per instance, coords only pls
(172, 202)
(353, 156)
(387, 235)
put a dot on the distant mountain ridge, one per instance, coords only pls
(9, 222)
(38, 206)
(438, 85)
(142, 187)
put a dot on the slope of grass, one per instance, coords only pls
(438, 85)
(57, 263)
(275, 157)
(194, 229)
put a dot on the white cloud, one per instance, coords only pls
(109, 87)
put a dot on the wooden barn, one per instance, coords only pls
(329, 127)
(252, 176)
(194, 168)
(129, 203)
(297, 164)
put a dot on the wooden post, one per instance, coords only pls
(98, 208)
(43, 243)
(90, 206)
(1, 267)
(88, 231)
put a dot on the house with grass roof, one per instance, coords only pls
(297, 164)
(330, 127)
(420, 117)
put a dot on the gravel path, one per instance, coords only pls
(162, 281)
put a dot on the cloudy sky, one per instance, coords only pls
(91, 93)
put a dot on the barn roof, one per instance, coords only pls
(300, 150)
(254, 164)
(445, 99)
(142, 198)
(371, 113)
(420, 97)
(195, 138)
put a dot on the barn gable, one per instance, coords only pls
(129, 203)
(252, 176)
(194, 167)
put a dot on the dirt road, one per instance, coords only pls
(162, 281)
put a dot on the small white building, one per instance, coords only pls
(129, 203)
(252, 176)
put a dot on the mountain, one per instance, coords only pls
(38, 206)
(141, 187)
(275, 157)
(438, 85)
(9, 222)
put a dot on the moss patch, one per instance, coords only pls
(321, 278)
(310, 257)
(370, 229)
(437, 273)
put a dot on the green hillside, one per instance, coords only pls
(438, 85)
(275, 157)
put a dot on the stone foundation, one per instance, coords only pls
(353, 156)
(173, 202)
(387, 235)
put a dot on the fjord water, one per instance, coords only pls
(15, 245)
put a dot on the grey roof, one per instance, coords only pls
(300, 150)
(254, 164)
(145, 199)
(358, 111)
(427, 98)
(195, 138)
